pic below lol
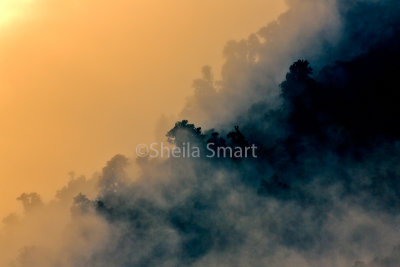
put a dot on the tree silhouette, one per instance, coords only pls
(237, 139)
(30, 201)
(297, 79)
(299, 92)
(184, 132)
(216, 141)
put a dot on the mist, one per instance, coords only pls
(316, 92)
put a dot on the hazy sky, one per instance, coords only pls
(83, 80)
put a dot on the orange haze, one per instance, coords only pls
(82, 80)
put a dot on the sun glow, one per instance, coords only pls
(11, 10)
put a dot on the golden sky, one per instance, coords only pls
(82, 80)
